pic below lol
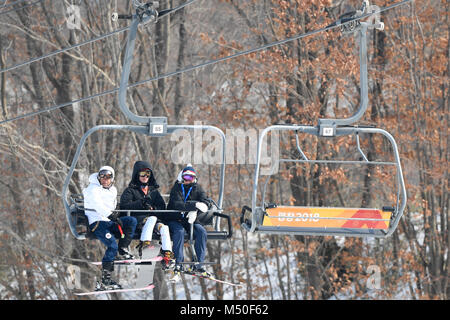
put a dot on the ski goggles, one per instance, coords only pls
(187, 177)
(105, 174)
(144, 174)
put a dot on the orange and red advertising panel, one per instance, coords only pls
(318, 217)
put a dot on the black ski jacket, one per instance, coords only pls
(192, 193)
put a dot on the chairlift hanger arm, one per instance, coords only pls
(144, 13)
(350, 22)
(364, 90)
(128, 59)
(328, 126)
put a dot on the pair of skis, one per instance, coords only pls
(210, 278)
(132, 261)
(190, 273)
(150, 286)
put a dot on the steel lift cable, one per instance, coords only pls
(101, 37)
(16, 9)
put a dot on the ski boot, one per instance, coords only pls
(107, 283)
(168, 261)
(200, 271)
(142, 245)
(176, 273)
(124, 254)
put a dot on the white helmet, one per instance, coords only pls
(106, 170)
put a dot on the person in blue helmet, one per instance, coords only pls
(188, 196)
(100, 201)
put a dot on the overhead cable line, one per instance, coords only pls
(23, 7)
(181, 6)
(4, 5)
(207, 63)
(86, 42)
(63, 50)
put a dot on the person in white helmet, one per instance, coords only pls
(100, 200)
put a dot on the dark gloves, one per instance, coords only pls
(147, 202)
(114, 217)
(190, 205)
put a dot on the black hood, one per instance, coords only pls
(138, 167)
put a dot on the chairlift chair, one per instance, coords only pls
(269, 218)
(150, 126)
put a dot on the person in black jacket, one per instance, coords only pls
(142, 194)
(188, 196)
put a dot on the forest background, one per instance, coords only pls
(297, 82)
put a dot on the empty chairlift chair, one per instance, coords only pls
(274, 218)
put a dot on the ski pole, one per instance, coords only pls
(122, 235)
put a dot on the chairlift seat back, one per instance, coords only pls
(323, 217)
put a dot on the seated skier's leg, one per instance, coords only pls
(129, 226)
(147, 230)
(146, 234)
(200, 237)
(166, 248)
(177, 234)
(165, 237)
(102, 230)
